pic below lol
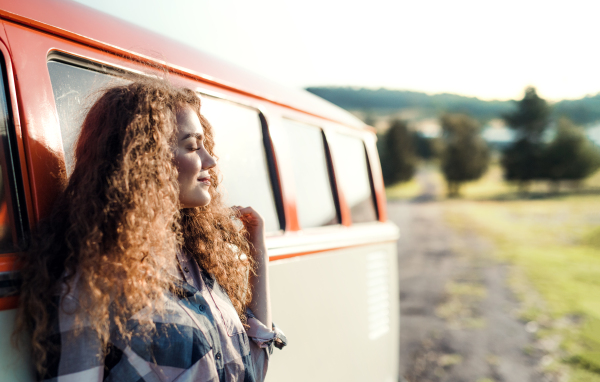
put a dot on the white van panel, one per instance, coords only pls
(340, 313)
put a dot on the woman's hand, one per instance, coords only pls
(254, 223)
(259, 279)
(255, 227)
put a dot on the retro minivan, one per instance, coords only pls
(310, 168)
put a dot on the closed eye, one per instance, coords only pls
(197, 136)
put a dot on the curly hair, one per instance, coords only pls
(114, 230)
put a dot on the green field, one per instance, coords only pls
(553, 242)
(404, 190)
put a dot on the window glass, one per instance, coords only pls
(314, 200)
(238, 136)
(352, 174)
(12, 217)
(241, 157)
(75, 90)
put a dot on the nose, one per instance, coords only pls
(208, 161)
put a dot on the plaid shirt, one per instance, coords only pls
(199, 338)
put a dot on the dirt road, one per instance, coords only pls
(458, 317)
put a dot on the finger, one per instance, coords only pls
(237, 210)
(246, 210)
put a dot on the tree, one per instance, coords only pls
(397, 153)
(466, 155)
(570, 155)
(425, 147)
(521, 161)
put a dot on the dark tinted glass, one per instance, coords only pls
(12, 212)
(241, 157)
(314, 200)
(352, 174)
(75, 90)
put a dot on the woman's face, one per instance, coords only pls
(192, 160)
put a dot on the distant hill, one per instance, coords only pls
(384, 101)
(584, 111)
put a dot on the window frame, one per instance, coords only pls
(339, 130)
(96, 66)
(271, 162)
(371, 184)
(132, 74)
(329, 163)
(332, 178)
(17, 207)
(20, 208)
(273, 171)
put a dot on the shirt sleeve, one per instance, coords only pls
(74, 351)
(262, 341)
(76, 354)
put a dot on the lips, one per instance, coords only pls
(205, 180)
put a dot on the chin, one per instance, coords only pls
(202, 201)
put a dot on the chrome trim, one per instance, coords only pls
(101, 66)
(10, 283)
(202, 92)
(323, 239)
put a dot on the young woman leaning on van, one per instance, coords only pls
(140, 272)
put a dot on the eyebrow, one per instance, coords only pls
(193, 135)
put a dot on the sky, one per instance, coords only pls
(485, 49)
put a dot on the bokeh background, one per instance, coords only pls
(488, 116)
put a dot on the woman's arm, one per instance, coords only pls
(74, 351)
(259, 283)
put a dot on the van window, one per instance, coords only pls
(315, 205)
(75, 90)
(241, 157)
(12, 212)
(352, 174)
(239, 141)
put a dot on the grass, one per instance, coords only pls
(403, 190)
(554, 244)
(593, 181)
(458, 310)
(491, 186)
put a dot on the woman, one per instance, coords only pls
(140, 272)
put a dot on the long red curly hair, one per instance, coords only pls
(114, 230)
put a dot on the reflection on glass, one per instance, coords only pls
(6, 239)
(352, 175)
(241, 158)
(7, 231)
(314, 200)
(75, 90)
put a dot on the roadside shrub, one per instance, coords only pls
(570, 155)
(397, 153)
(466, 155)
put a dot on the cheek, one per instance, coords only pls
(187, 166)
